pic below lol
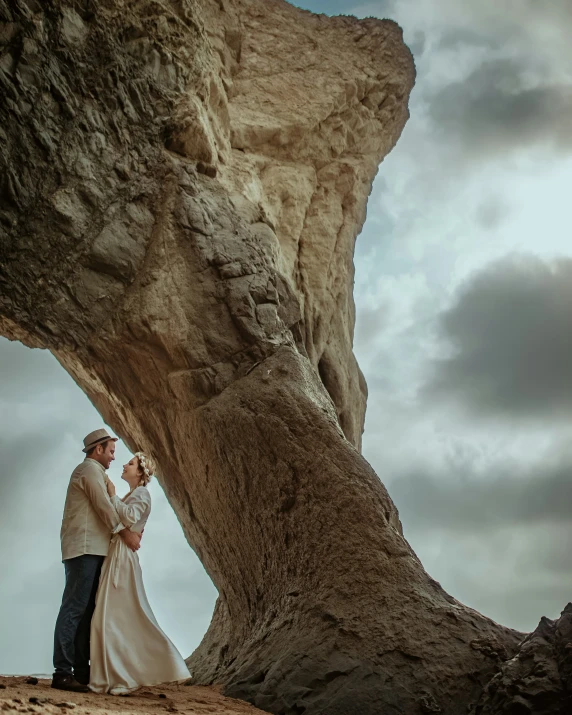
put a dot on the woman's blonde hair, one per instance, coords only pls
(147, 466)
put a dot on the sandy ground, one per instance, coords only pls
(17, 696)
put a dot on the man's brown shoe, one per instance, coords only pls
(81, 676)
(63, 681)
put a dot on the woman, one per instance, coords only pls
(128, 649)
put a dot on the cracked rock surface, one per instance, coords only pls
(537, 680)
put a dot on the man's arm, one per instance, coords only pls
(95, 489)
(131, 538)
(99, 498)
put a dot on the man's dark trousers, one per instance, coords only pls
(71, 639)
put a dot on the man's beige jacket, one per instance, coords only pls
(90, 519)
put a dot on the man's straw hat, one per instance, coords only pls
(96, 437)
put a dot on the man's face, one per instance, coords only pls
(109, 455)
(105, 456)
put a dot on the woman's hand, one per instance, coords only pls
(131, 538)
(110, 487)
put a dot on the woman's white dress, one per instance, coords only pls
(128, 648)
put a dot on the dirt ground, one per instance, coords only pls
(18, 696)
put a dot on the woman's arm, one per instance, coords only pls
(131, 513)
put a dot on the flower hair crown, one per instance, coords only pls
(144, 467)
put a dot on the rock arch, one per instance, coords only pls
(182, 186)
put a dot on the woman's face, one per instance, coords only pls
(131, 471)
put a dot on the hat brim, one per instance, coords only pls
(98, 441)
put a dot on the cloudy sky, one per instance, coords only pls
(464, 302)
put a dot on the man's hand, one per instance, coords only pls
(110, 487)
(131, 539)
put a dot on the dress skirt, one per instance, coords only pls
(128, 648)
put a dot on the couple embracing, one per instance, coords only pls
(107, 639)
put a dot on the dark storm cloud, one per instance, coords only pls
(418, 43)
(32, 427)
(25, 372)
(499, 107)
(458, 38)
(491, 213)
(329, 7)
(462, 500)
(556, 13)
(512, 341)
(21, 457)
(370, 323)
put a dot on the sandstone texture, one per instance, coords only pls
(182, 184)
(538, 679)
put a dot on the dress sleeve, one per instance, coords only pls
(139, 503)
(94, 487)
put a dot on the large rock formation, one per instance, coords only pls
(538, 679)
(182, 185)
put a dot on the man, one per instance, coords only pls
(89, 521)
